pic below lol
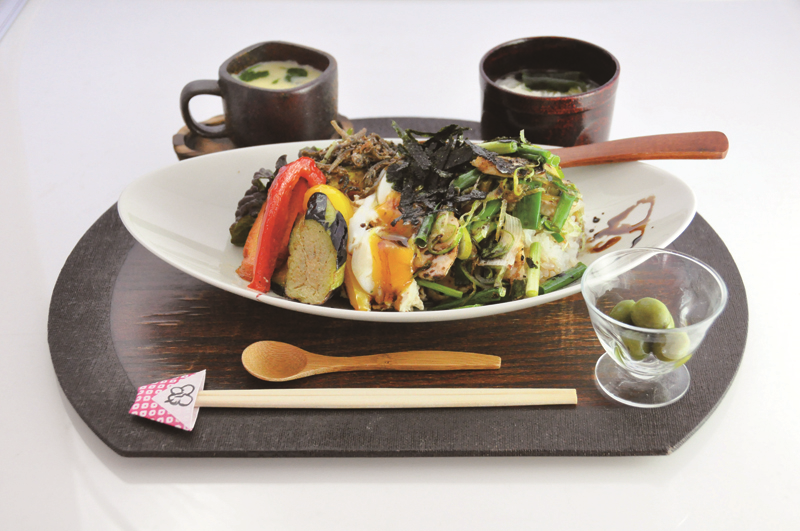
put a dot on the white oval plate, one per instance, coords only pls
(182, 213)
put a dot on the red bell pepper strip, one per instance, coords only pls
(284, 204)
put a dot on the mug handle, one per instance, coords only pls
(195, 88)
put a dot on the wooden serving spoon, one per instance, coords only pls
(281, 362)
(702, 145)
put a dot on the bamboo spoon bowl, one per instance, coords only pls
(280, 362)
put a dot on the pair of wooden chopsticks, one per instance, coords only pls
(385, 398)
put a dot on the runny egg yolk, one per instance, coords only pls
(389, 211)
(381, 262)
(391, 268)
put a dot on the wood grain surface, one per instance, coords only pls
(164, 323)
(700, 145)
(120, 318)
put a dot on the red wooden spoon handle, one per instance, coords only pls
(702, 145)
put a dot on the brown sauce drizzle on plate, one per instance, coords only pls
(616, 227)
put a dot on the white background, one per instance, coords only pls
(89, 101)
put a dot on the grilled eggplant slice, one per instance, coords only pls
(317, 253)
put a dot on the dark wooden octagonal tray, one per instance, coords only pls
(121, 318)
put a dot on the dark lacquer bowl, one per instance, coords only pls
(554, 120)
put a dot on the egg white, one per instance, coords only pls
(384, 189)
(362, 218)
(361, 263)
(362, 238)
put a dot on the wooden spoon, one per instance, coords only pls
(280, 362)
(702, 145)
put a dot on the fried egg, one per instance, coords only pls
(381, 255)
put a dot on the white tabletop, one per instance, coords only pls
(89, 101)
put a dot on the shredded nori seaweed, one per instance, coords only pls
(425, 175)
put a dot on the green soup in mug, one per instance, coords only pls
(278, 75)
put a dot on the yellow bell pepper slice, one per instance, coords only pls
(359, 298)
(339, 201)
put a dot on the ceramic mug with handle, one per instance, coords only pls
(255, 115)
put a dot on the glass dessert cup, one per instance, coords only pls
(645, 367)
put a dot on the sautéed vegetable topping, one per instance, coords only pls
(431, 222)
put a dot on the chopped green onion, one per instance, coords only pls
(554, 171)
(500, 248)
(517, 188)
(532, 149)
(564, 187)
(444, 290)
(464, 245)
(450, 305)
(501, 219)
(465, 180)
(421, 237)
(528, 210)
(511, 241)
(563, 209)
(476, 298)
(534, 270)
(501, 147)
(554, 231)
(490, 208)
(517, 290)
(481, 229)
(487, 296)
(445, 234)
(498, 281)
(562, 280)
(450, 246)
(472, 278)
(466, 218)
(533, 152)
